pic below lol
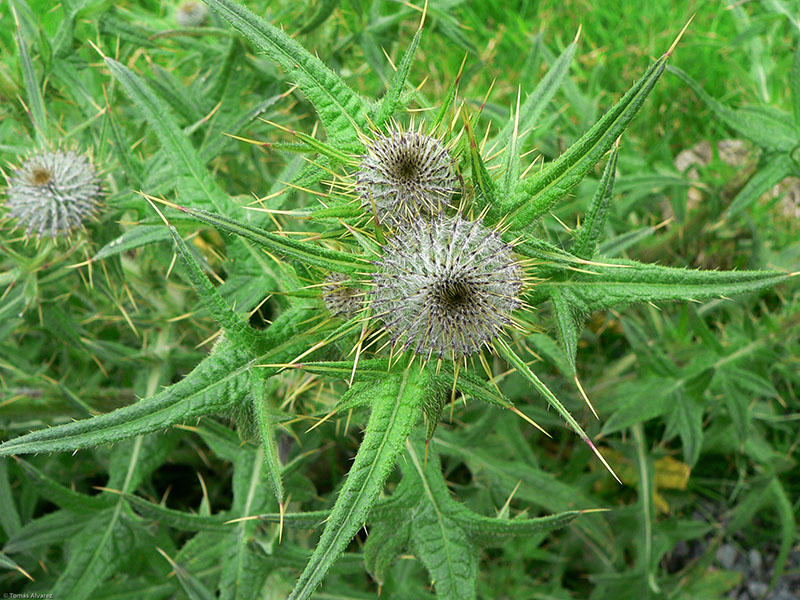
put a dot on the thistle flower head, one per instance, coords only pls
(191, 14)
(405, 174)
(446, 286)
(340, 300)
(53, 193)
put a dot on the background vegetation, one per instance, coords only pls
(698, 402)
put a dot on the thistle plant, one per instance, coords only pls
(52, 194)
(439, 282)
(446, 286)
(405, 174)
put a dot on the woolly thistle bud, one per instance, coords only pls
(191, 14)
(446, 286)
(404, 175)
(340, 300)
(53, 193)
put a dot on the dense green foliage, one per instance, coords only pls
(195, 423)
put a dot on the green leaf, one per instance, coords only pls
(35, 100)
(587, 236)
(233, 324)
(642, 401)
(568, 324)
(777, 168)
(396, 407)
(324, 9)
(537, 194)
(241, 575)
(194, 588)
(9, 515)
(537, 101)
(340, 109)
(60, 495)
(495, 530)
(440, 543)
(103, 546)
(184, 158)
(266, 431)
(137, 237)
(765, 128)
(216, 383)
(324, 258)
(392, 97)
(686, 418)
(180, 520)
(384, 544)
(795, 87)
(522, 368)
(51, 529)
(624, 282)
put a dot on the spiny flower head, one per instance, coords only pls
(405, 174)
(341, 300)
(53, 193)
(446, 286)
(191, 14)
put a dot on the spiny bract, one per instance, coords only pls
(446, 286)
(191, 14)
(53, 193)
(341, 300)
(405, 174)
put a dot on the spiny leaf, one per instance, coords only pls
(312, 254)
(51, 529)
(216, 383)
(395, 408)
(392, 97)
(60, 495)
(94, 555)
(384, 544)
(537, 194)
(591, 229)
(440, 543)
(266, 430)
(106, 543)
(233, 324)
(184, 157)
(795, 86)
(765, 129)
(537, 101)
(340, 109)
(605, 286)
(569, 323)
(522, 368)
(133, 238)
(241, 576)
(180, 520)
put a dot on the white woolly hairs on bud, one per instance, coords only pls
(404, 175)
(53, 193)
(446, 286)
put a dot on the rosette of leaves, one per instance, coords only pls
(575, 281)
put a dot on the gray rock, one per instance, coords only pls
(757, 588)
(755, 560)
(726, 555)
